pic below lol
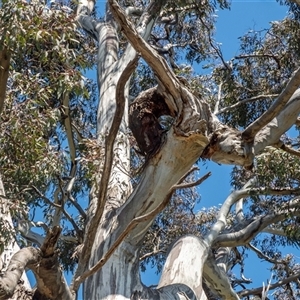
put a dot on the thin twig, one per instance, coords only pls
(257, 291)
(241, 102)
(191, 184)
(287, 149)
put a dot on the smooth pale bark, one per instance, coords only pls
(10, 278)
(271, 133)
(109, 72)
(10, 246)
(187, 141)
(195, 133)
(184, 266)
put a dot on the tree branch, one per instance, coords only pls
(263, 256)
(68, 126)
(88, 24)
(213, 236)
(241, 102)
(80, 279)
(258, 291)
(20, 260)
(250, 132)
(272, 132)
(194, 183)
(109, 149)
(24, 226)
(218, 280)
(163, 72)
(51, 283)
(246, 234)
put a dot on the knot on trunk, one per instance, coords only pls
(226, 146)
(144, 120)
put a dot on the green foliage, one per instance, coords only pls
(266, 61)
(48, 58)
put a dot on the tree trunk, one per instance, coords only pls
(8, 248)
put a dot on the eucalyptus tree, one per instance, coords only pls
(114, 178)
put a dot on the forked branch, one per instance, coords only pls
(154, 60)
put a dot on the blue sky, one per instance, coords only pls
(243, 16)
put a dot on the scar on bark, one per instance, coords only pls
(227, 146)
(144, 114)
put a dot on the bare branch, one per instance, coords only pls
(163, 72)
(109, 155)
(42, 196)
(152, 254)
(68, 126)
(218, 280)
(246, 234)
(194, 183)
(272, 132)
(241, 102)
(20, 260)
(213, 236)
(275, 231)
(78, 207)
(84, 9)
(61, 209)
(250, 132)
(216, 110)
(258, 291)
(263, 256)
(24, 226)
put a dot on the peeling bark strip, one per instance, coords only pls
(227, 147)
(4, 70)
(51, 283)
(143, 120)
(10, 278)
